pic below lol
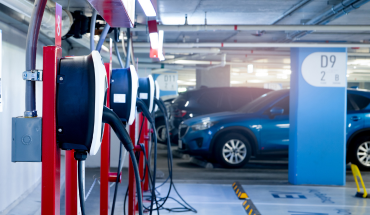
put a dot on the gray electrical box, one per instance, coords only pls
(26, 139)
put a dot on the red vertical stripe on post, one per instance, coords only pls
(71, 184)
(141, 141)
(146, 140)
(131, 175)
(50, 181)
(105, 157)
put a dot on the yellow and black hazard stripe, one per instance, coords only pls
(249, 207)
(239, 191)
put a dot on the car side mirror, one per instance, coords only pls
(276, 111)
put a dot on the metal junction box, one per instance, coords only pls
(26, 139)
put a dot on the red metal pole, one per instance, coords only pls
(71, 184)
(146, 142)
(105, 158)
(131, 176)
(50, 181)
(141, 141)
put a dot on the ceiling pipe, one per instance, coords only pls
(252, 45)
(25, 8)
(194, 28)
(182, 50)
(290, 11)
(340, 9)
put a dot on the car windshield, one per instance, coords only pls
(261, 102)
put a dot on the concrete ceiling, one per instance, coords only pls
(272, 61)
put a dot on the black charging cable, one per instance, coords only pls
(186, 206)
(80, 156)
(115, 122)
(142, 106)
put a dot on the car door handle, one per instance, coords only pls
(355, 118)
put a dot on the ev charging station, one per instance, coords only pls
(77, 92)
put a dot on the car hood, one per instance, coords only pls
(215, 117)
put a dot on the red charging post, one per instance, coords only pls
(141, 140)
(146, 142)
(50, 191)
(105, 174)
(131, 175)
(105, 160)
(50, 178)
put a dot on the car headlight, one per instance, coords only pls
(202, 126)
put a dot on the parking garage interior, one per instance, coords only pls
(184, 107)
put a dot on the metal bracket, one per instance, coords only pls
(33, 75)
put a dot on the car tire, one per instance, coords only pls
(360, 152)
(233, 150)
(160, 127)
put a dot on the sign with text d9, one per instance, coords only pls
(58, 25)
(325, 69)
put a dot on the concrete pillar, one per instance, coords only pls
(317, 138)
(215, 77)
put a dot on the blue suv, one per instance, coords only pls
(262, 127)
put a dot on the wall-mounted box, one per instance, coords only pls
(26, 139)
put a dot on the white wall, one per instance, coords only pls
(15, 178)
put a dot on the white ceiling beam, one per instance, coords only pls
(191, 28)
(252, 45)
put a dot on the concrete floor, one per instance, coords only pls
(209, 190)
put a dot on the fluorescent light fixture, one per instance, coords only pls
(160, 45)
(287, 72)
(250, 68)
(262, 74)
(236, 82)
(148, 7)
(154, 40)
(170, 56)
(235, 70)
(254, 81)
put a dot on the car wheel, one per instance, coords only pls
(233, 151)
(160, 127)
(360, 152)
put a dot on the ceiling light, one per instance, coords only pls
(169, 56)
(262, 74)
(254, 81)
(192, 79)
(160, 45)
(261, 70)
(236, 82)
(235, 70)
(235, 73)
(148, 7)
(154, 43)
(288, 72)
(250, 68)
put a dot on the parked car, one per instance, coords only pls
(209, 100)
(262, 127)
(160, 126)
